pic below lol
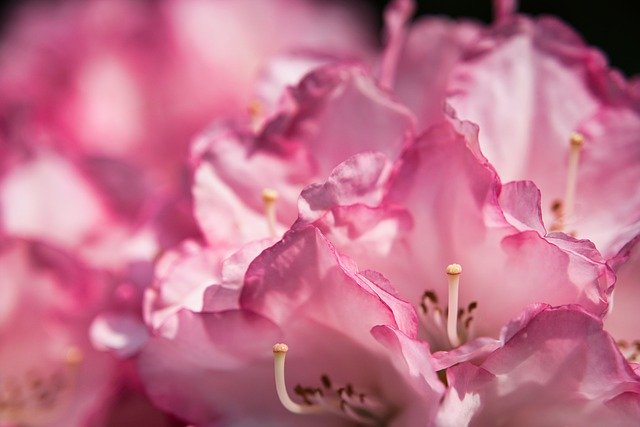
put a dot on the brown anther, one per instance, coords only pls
(468, 322)
(556, 207)
(326, 382)
(431, 296)
(349, 390)
(423, 306)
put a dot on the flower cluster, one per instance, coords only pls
(244, 213)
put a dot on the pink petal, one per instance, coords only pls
(122, 333)
(559, 367)
(433, 47)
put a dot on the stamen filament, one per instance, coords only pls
(279, 354)
(269, 199)
(453, 276)
(576, 142)
(255, 110)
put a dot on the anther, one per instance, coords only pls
(453, 276)
(269, 199)
(279, 354)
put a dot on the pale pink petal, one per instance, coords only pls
(560, 367)
(412, 360)
(314, 273)
(122, 333)
(541, 70)
(623, 321)
(338, 111)
(47, 197)
(396, 17)
(359, 179)
(606, 211)
(442, 205)
(433, 47)
(520, 202)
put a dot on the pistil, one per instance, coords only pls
(576, 143)
(453, 277)
(331, 399)
(269, 199)
(563, 210)
(279, 354)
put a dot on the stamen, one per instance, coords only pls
(576, 143)
(279, 354)
(453, 276)
(39, 395)
(255, 110)
(269, 199)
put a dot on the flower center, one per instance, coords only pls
(269, 199)
(344, 401)
(456, 329)
(563, 211)
(38, 397)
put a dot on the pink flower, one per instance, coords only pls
(49, 373)
(530, 84)
(215, 366)
(137, 80)
(443, 204)
(333, 113)
(557, 367)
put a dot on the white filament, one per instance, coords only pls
(572, 174)
(453, 276)
(269, 199)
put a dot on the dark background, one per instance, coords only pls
(609, 25)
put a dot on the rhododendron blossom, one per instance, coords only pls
(424, 220)
(243, 213)
(210, 365)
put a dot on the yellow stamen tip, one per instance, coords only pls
(74, 356)
(269, 195)
(454, 269)
(280, 348)
(577, 139)
(255, 108)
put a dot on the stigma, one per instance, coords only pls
(40, 395)
(342, 401)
